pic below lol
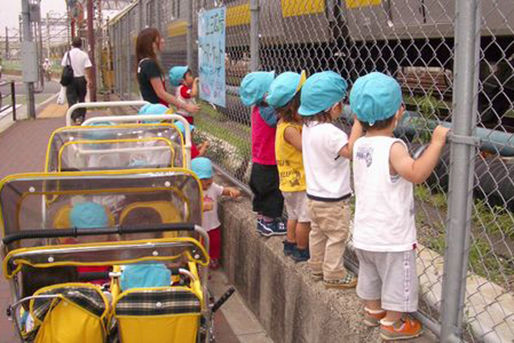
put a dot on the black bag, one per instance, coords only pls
(67, 72)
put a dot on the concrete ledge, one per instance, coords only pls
(290, 306)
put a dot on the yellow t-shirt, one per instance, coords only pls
(289, 161)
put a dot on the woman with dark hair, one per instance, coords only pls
(149, 73)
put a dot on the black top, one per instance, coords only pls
(148, 69)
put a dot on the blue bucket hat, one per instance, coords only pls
(176, 74)
(202, 167)
(88, 215)
(320, 92)
(145, 276)
(182, 128)
(100, 134)
(153, 109)
(254, 87)
(375, 97)
(284, 88)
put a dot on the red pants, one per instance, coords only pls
(215, 243)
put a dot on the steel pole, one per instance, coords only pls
(463, 151)
(48, 35)
(91, 41)
(6, 43)
(140, 13)
(27, 36)
(189, 37)
(254, 35)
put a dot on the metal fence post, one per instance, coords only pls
(13, 100)
(189, 34)
(466, 69)
(140, 15)
(254, 35)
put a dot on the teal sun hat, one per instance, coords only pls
(284, 88)
(88, 215)
(254, 87)
(176, 75)
(202, 167)
(145, 276)
(375, 97)
(152, 109)
(182, 128)
(320, 92)
(100, 133)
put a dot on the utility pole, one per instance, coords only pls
(48, 35)
(20, 30)
(6, 43)
(91, 41)
(29, 55)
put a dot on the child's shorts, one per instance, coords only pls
(296, 206)
(389, 276)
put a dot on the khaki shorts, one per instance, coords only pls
(389, 276)
(296, 206)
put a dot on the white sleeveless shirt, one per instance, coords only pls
(384, 209)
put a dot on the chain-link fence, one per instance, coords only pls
(455, 62)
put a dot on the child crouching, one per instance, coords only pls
(202, 167)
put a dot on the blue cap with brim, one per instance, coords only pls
(283, 89)
(182, 128)
(145, 276)
(100, 133)
(202, 167)
(88, 215)
(153, 109)
(320, 92)
(254, 87)
(176, 75)
(375, 97)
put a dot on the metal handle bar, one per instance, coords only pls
(101, 104)
(76, 232)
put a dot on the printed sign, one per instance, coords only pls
(211, 55)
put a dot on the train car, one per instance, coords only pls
(410, 39)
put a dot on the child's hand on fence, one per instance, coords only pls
(439, 135)
(232, 192)
(196, 80)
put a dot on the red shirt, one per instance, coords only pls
(194, 151)
(263, 139)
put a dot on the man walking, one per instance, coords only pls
(77, 89)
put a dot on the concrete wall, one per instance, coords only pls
(288, 303)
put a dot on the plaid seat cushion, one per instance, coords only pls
(157, 302)
(89, 299)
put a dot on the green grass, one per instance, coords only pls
(212, 122)
(483, 260)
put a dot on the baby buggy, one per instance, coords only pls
(44, 247)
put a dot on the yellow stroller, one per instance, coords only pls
(51, 300)
(106, 146)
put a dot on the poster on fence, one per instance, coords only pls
(211, 55)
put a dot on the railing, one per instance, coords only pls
(11, 94)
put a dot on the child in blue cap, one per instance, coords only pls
(284, 96)
(89, 215)
(268, 201)
(195, 150)
(384, 224)
(143, 275)
(187, 88)
(326, 155)
(202, 167)
(150, 109)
